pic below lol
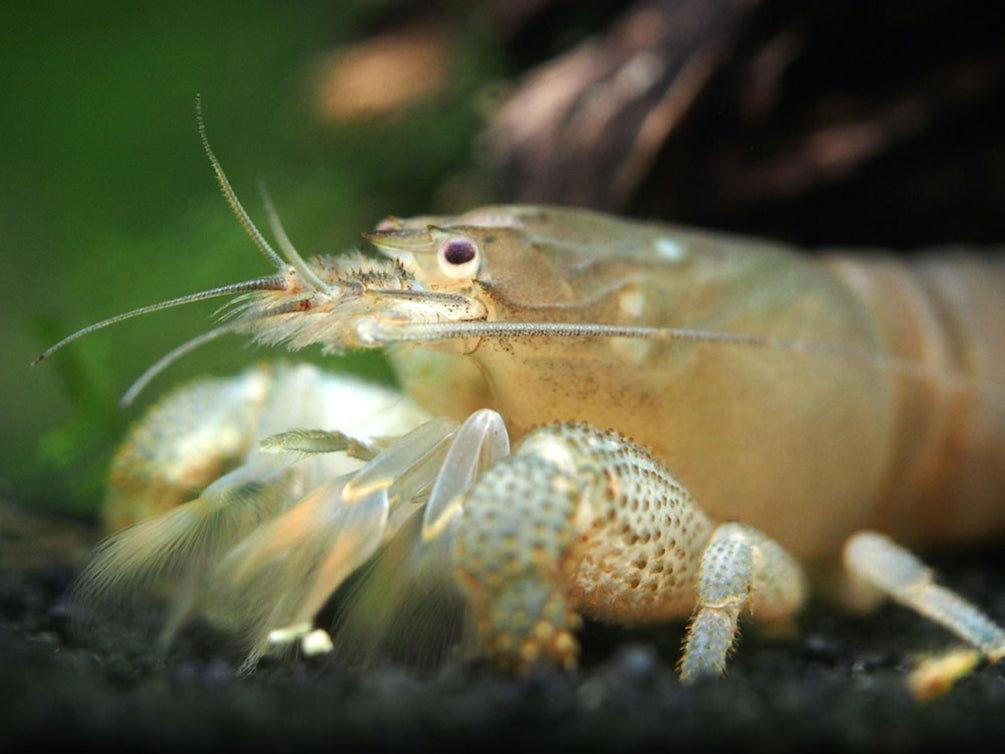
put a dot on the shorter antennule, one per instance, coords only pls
(299, 264)
(228, 192)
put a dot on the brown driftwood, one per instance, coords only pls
(823, 121)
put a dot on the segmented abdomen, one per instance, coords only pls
(945, 311)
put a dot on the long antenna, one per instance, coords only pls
(274, 283)
(417, 332)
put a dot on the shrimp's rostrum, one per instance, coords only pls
(697, 417)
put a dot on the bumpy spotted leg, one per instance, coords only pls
(196, 433)
(185, 442)
(895, 572)
(172, 477)
(740, 568)
(577, 521)
(515, 530)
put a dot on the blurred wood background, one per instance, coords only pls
(824, 121)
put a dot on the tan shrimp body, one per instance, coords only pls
(786, 404)
(761, 435)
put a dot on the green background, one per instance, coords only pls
(107, 201)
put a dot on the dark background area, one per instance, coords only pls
(823, 123)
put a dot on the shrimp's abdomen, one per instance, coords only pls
(945, 481)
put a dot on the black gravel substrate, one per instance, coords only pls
(838, 686)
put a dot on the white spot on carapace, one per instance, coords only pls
(632, 302)
(668, 249)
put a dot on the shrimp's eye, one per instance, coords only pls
(458, 257)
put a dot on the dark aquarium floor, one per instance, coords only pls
(838, 686)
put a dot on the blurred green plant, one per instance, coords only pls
(108, 203)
